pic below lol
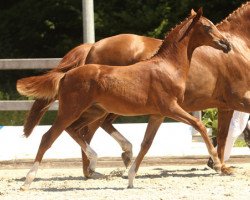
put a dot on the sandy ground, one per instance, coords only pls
(155, 182)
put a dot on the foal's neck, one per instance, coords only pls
(178, 53)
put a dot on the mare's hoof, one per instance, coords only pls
(210, 163)
(126, 157)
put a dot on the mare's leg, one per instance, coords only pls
(224, 119)
(39, 107)
(123, 142)
(153, 125)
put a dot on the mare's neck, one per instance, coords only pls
(237, 23)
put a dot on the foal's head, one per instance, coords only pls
(206, 33)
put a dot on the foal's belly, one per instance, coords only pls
(127, 109)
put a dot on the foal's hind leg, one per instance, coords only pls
(176, 112)
(153, 125)
(79, 132)
(124, 143)
(47, 140)
(63, 120)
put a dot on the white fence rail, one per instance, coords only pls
(21, 105)
(37, 63)
(25, 64)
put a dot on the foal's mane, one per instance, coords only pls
(174, 35)
(236, 15)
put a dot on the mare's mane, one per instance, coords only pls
(236, 15)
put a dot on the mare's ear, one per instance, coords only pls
(192, 12)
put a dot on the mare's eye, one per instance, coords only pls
(207, 28)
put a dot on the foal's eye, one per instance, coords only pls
(207, 28)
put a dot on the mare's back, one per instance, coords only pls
(121, 50)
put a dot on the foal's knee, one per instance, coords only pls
(46, 141)
(200, 126)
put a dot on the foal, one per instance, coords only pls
(153, 87)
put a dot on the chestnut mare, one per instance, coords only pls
(200, 93)
(152, 87)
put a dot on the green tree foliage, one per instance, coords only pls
(210, 120)
(140, 17)
(50, 28)
(46, 28)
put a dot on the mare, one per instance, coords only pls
(200, 93)
(152, 87)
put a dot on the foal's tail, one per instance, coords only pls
(45, 89)
(41, 87)
(72, 59)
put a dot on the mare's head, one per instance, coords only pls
(205, 33)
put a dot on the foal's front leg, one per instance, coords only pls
(177, 113)
(87, 132)
(89, 153)
(153, 125)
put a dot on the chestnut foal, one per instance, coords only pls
(153, 87)
(134, 48)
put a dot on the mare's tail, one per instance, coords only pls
(34, 116)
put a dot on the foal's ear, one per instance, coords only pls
(192, 12)
(198, 15)
(200, 12)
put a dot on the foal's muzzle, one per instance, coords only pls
(224, 44)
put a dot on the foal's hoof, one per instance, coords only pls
(217, 168)
(24, 188)
(97, 175)
(88, 173)
(211, 164)
(130, 187)
(127, 157)
(227, 171)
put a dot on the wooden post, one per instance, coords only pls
(88, 21)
